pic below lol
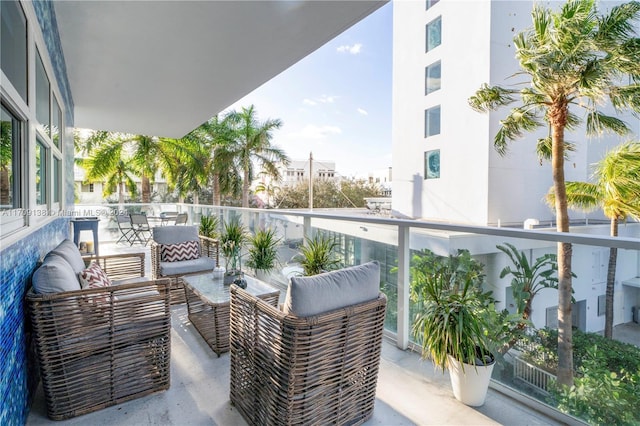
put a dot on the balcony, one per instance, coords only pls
(410, 390)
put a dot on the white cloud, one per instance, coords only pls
(354, 49)
(311, 131)
(363, 111)
(324, 99)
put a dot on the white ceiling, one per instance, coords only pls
(164, 67)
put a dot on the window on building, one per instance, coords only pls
(10, 164)
(430, 3)
(41, 173)
(13, 55)
(56, 123)
(43, 91)
(86, 187)
(12, 194)
(57, 180)
(432, 78)
(432, 121)
(602, 304)
(434, 33)
(432, 164)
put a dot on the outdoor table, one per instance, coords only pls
(89, 223)
(209, 307)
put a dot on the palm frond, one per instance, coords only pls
(491, 98)
(598, 123)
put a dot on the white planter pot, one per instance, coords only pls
(470, 387)
(263, 276)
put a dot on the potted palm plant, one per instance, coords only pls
(318, 255)
(232, 240)
(454, 320)
(262, 253)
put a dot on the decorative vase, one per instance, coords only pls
(262, 275)
(470, 386)
(231, 275)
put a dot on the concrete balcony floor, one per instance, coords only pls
(410, 391)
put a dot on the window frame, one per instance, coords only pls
(427, 77)
(14, 218)
(431, 3)
(429, 48)
(428, 155)
(427, 121)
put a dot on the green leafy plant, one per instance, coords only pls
(528, 279)
(209, 226)
(456, 312)
(263, 250)
(318, 255)
(232, 239)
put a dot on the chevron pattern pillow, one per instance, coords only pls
(181, 251)
(93, 276)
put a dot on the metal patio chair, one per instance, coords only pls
(125, 227)
(141, 228)
(181, 219)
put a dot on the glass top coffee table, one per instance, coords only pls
(209, 308)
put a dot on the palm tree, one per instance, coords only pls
(616, 189)
(253, 142)
(108, 163)
(219, 165)
(572, 58)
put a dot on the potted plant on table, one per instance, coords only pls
(318, 255)
(262, 253)
(454, 320)
(232, 239)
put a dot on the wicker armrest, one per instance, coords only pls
(304, 368)
(98, 347)
(155, 260)
(210, 248)
(120, 266)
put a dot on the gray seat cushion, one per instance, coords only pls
(175, 234)
(183, 267)
(307, 296)
(69, 252)
(54, 275)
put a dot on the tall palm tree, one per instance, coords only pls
(220, 165)
(109, 164)
(616, 190)
(572, 58)
(253, 143)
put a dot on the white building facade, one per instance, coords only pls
(445, 166)
(298, 171)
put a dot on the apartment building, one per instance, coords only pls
(445, 166)
(298, 171)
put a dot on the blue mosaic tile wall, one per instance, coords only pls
(18, 378)
(47, 19)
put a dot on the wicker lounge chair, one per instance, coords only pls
(305, 370)
(99, 347)
(171, 235)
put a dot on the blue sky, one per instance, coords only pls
(336, 102)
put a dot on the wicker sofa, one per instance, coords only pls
(98, 347)
(314, 363)
(164, 236)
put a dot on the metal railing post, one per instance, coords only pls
(306, 228)
(403, 287)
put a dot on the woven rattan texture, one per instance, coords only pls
(208, 247)
(212, 319)
(318, 370)
(103, 346)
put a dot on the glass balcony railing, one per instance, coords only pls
(528, 366)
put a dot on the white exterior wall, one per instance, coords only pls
(476, 185)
